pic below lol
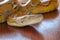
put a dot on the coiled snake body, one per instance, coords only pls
(10, 8)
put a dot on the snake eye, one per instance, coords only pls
(7, 12)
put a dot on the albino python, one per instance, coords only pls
(25, 12)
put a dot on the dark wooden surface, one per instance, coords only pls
(48, 29)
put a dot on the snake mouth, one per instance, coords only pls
(25, 20)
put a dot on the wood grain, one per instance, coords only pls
(48, 29)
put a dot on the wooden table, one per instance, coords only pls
(48, 29)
